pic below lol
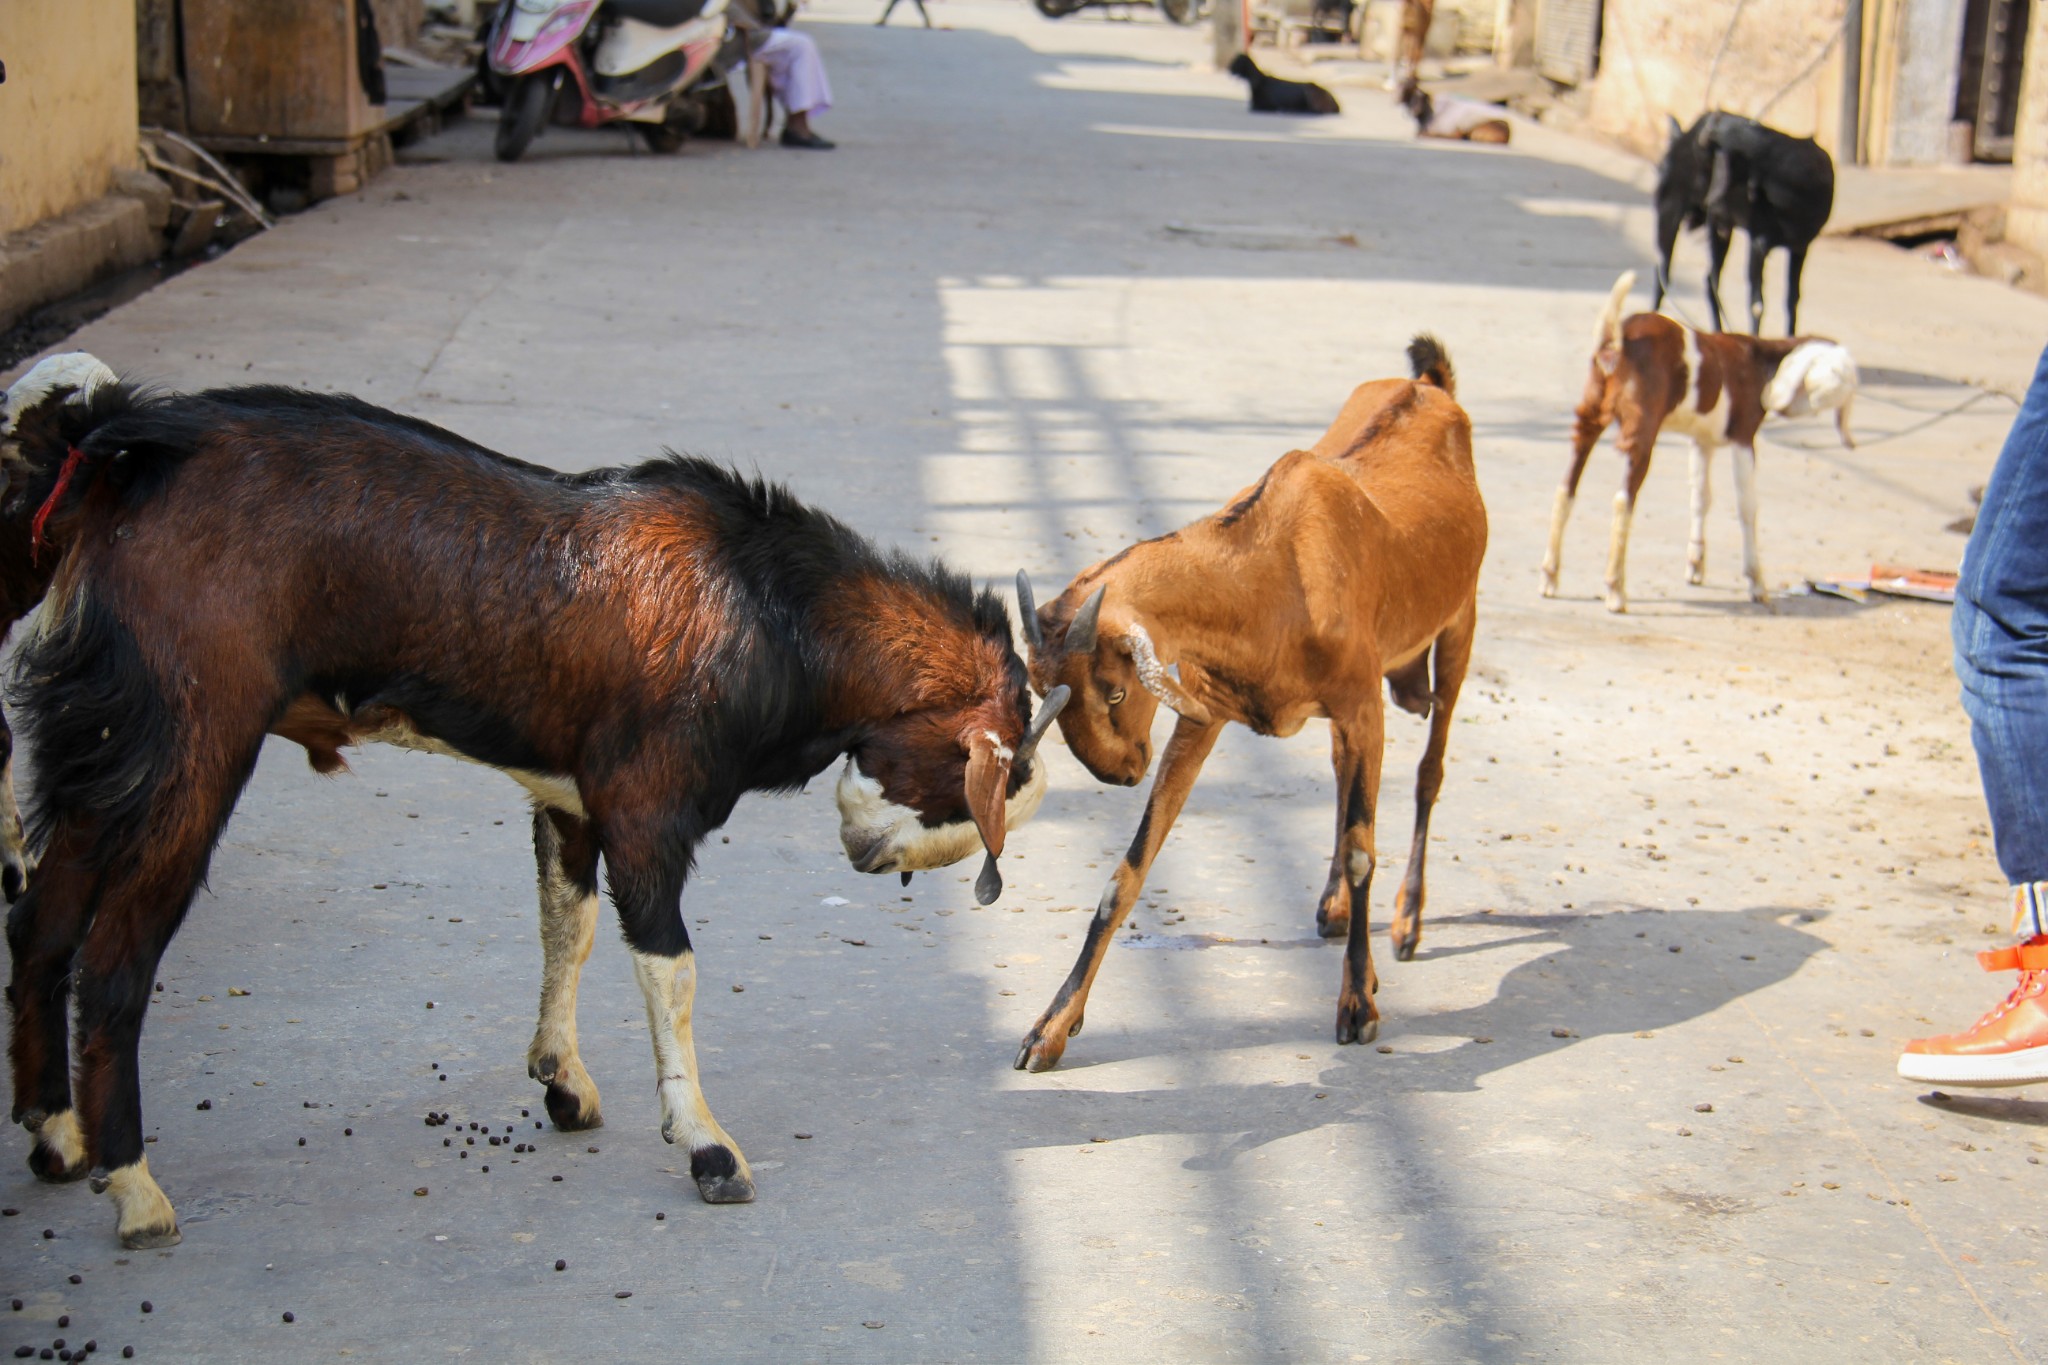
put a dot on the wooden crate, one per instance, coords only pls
(275, 71)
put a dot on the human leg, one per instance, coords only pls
(2001, 636)
(797, 74)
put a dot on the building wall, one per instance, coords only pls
(1656, 57)
(67, 109)
(2026, 221)
(1916, 55)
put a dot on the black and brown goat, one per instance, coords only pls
(1347, 563)
(637, 647)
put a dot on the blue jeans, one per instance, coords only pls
(2001, 638)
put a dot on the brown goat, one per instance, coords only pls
(636, 647)
(1347, 563)
(1650, 375)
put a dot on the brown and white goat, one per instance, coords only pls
(1650, 374)
(1350, 562)
(636, 647)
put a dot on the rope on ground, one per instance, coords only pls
(222, 182)
(1863, 442)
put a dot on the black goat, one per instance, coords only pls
(1727, 172)
(1271, 95)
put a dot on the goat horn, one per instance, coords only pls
(1153, 677)
(1081, 634)
(1027, 607)
(1048, 711)
(989, 884)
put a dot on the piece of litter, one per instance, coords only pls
(835, 900)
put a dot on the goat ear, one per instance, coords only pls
(988, 777)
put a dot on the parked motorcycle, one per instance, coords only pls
(586, 63)
(1179, 11)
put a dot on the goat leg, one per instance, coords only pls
(1452, 654)
(1744, 463)
(44, 929)
(1702, 500)
(1185, 753)
(1360, 742)
(565, 850)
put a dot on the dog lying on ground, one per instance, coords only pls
(1271, 95)
(1650, 374)
(1456, 119)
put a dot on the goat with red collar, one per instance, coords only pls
(636, 647)
(1650, 374)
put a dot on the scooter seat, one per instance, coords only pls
(660, 13)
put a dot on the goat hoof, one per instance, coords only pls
(719, 1176)
(1041, 1051)
(1355, 1026)
(1617, 604)
(1549, 585)
(570, 1113)
(1404, 948)
(152, 1239)
(1333, 926)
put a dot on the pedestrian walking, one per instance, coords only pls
(2001, 642)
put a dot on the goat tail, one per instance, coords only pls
(47, 460)
(1609, 331)
(1431, 363)
(103, 730)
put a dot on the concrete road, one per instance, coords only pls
(1057, 290)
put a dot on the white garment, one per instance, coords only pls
(796, 73)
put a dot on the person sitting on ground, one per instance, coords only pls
(2000, 626)
(796, 73)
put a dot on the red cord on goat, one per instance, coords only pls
(35, 528)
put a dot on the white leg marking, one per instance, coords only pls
(568, 927)
(669, 986)
(1702, 499)
(1358, 865)
(146, 1217)
(1745, 503)
(1553, 558)
(1617, 554)
(61, 1134)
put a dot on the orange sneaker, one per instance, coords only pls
(2008, 1046)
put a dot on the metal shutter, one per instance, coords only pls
(1568, 40)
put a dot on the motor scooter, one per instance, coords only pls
(1179, 11)
(586, 63)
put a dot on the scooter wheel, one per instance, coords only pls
(528, 105)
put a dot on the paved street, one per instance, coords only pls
(1055, 291)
